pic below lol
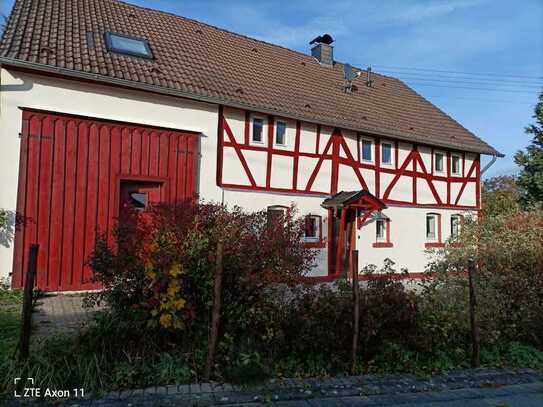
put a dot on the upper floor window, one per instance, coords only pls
(281, 133)
(439, 159)
(367, 150)
(456, 221)
(125, 44)
(312, 228)
(258, 128)
(455, 164)
(386, 153)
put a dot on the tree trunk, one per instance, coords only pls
(356, 310)
(215, 312)
(24, 339)
(475, 340)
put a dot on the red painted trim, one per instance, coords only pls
(365, 277)
(465, 182)
(318, 166)
(478, 182)
(396, 154)
(296, 156)
(378, 245)
(315, 245)
(318, 140)
(400, 172)
(247, 128)
(273, 189)
(336, 135)
(448, 177)
(341, 239)
(355, 168)
(238, 152)
(377, 167)
(428, 178)
(358, 146)
(430, 245)
(330, 239)
(415, 153)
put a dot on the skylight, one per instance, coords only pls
(124, 44)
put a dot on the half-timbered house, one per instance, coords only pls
(103, 103)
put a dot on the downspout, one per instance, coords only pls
(490, 164)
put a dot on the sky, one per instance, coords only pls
(480, 61)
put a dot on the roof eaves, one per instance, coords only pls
(17, 63)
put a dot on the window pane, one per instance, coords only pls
(138, 200)
(386, 153)
(439, 162)
(366, 150)
(129, 45)
(455, 164)
(280, 131)
(455, 226)
(258, 124)
(311, 227)
(380, 229)
(430, 226)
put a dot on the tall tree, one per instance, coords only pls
(530, 179)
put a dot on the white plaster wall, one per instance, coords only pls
(34, 91)
(256, 201)
(407, 234)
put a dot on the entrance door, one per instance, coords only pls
(341, 241)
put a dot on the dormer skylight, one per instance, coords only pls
(124, 44)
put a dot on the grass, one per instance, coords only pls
(10, 319)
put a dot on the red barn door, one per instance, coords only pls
(71, 175)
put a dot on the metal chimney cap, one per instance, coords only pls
(322, 39)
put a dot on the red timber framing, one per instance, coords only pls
(70, 175)
(337, 155)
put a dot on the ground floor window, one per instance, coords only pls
(433, 230)
(456, 221)
(276, 214)
(382, 233)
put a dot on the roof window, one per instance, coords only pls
(124, 44)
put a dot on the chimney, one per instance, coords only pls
(323, 50)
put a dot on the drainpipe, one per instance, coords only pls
(490, 164)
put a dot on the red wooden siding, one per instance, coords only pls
(69, 177)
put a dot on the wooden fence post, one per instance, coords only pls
(475, 339)
(215, 312)
(26, 323)
(356, 310)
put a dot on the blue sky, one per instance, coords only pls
(500, 37)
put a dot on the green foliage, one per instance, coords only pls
(531, 161)
(500, 195)
(508, 250)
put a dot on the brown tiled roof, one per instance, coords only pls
(195, 60)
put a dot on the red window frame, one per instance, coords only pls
(383, 243)
(314, 242)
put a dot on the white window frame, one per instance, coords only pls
(381, 239)
(459, 225)
(317, 236)
(453, 156)
(443, 163)
(252, 140)
(435, 237)
(372, 150)
(284, 135)
(391, 163)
